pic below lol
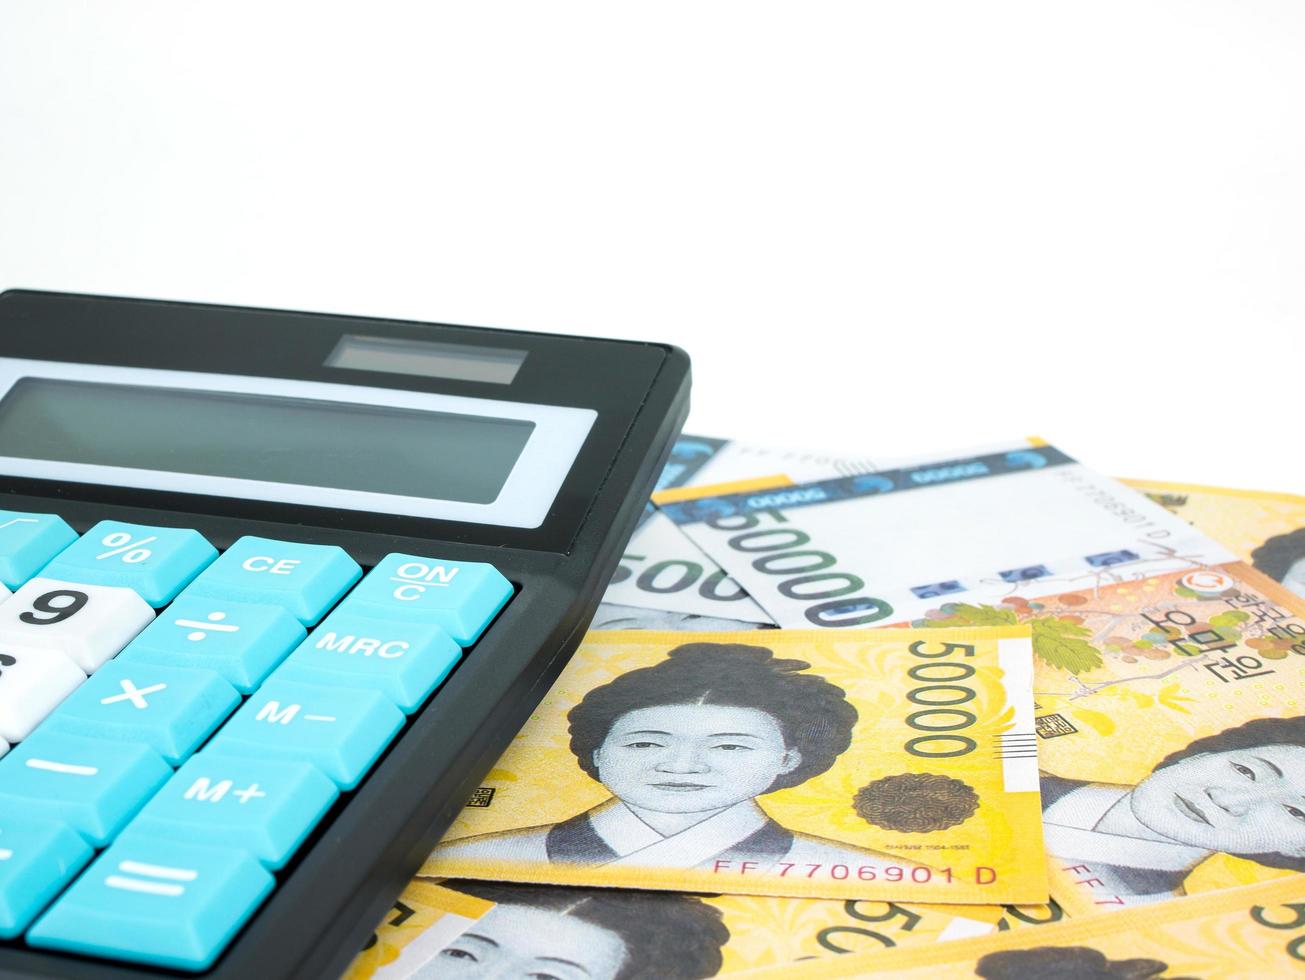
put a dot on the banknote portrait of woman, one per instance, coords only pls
(685, 747)
(1238, 792)
(1282, 558)
(582, 934)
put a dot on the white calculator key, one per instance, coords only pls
(88, 624)
(4, 594)
(4, 747)
(32, 683)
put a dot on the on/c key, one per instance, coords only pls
(459, 596)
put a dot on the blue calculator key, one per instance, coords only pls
(340, 730)
(404, 661)
(239, 640)
(263, 806)
(27, 542)
(170, 709)
(94, 785)
(159, 902)
(307, 579)
(460, 596)
(155, 561)
(37, 858)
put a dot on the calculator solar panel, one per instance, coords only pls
(276, 589)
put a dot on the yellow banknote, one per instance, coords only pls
(1171, 724)
(1265, 529)
(893, 765)
(425, 919)
(1247, 933)
(619, 934)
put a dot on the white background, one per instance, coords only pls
(878, 228)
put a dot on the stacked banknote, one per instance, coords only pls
(970, 714)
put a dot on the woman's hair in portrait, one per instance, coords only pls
(1252, 734)
(1065, 963)
(667, 936)
(1276, 556)
(813, 714)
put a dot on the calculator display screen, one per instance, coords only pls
(302, 441)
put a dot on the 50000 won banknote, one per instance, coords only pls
(893, 764)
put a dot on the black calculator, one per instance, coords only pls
(278, 588)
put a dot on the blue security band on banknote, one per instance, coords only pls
(865, 485)
(688, 455)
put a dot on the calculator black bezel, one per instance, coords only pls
(344, 879)
(559, 370)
